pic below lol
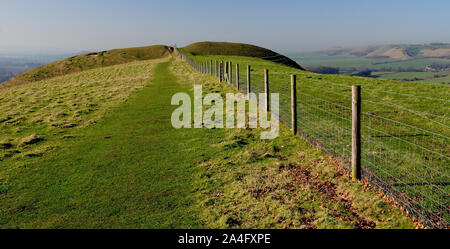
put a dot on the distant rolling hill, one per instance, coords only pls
(427, 62)
(399, 52)
(239, 49)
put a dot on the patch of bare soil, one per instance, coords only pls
(440, 52)
(394, 53)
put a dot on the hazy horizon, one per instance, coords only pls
(50, 26)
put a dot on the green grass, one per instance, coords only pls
(405, 125)
(56, 107)
(131, 169)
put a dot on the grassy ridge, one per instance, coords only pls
(91, 61)
(123, 172)
(133, 170)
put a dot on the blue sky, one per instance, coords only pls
(286, 26)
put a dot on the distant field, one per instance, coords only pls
(344, 61)
(435, 77)
(354, 64)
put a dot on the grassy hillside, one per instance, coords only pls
(90, 61)
(52, 109)
(95, 149)
(238, 49)
(405, 126)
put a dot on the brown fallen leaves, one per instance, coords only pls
(303, 176)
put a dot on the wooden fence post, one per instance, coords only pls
(249, 85)
(356, 132)
(215, 70)
(266, 88)
(224, 68)
(221, 71)
(226, 71)
(294, 103)
(230, 72)
(237, 76)
(210, 67)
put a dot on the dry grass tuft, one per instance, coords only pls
(56, 106)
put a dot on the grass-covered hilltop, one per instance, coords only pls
(239, 49)
(87, 142)
(91, 61)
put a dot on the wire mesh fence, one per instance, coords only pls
(405, 153)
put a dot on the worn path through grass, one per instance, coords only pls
(131, 170)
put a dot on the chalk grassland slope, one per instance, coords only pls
(91, 61)
(280, 183)
(47, 111)
(391, 111)
(133, 170)
(238, 49)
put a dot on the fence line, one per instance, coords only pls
(408, 163)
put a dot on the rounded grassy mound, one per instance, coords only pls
(239, 49)
(91, 61)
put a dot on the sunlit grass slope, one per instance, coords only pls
(52, 109)
(405, 124)
(238, 49)
(130, 169)
(90, 61)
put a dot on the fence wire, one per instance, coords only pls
(400, 155)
